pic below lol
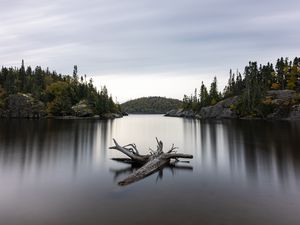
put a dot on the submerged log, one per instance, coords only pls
(150, 163)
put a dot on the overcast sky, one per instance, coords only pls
(148, 47)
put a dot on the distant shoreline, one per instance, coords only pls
(281, 105)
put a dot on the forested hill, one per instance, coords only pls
(36, 92)
(269, 91)
(152, 105)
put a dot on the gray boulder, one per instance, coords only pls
(23, 106)
(282, 94)
(111, 115)
(82, 109)
(188, 114)
(283, 103)
(181, 113)
(295, 112)
(223, 109)
(172, 113)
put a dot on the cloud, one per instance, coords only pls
(144, 38)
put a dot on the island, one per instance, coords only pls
(150, 105)
(263, 92)
(41, 93)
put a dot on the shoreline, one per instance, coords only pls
(95, 117)
(198, 117)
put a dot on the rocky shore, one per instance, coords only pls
(283, 105)
(25, 106)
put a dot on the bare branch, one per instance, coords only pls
(126, 151)
(151, 151)
(151, 162)
(133, 148)
(172, 149)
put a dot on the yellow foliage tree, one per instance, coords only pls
(292, 77)
(275, 86)
(2, 94)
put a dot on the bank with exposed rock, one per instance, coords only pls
(280, 105)
(25, 106)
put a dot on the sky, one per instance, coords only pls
(148, 47)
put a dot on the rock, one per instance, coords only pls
(111, 115)
(172, 113)
(282, 102)
(279, 104)
(223, 109)
(23, 106)
(282, 94)
(295, 112)
(279, 113)
(82, 109)
(2, 113)
(117, 115)
(188, 114)
(181, 113)
(197, 116)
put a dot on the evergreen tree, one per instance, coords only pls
(59, 92)
(204, 98)
(22, 77)
(252, 88)
(280, 65)
(213, 92)
(75, 71)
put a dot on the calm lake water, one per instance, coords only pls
(61, 172)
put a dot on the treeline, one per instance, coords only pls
(251, 87)
(151, 105)
(59, 92)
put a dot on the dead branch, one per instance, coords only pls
(172, 149)
(137, 157)
(133, 148)
(152, 162)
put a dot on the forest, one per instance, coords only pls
(251, 87)
(151, 105)
(58, 92)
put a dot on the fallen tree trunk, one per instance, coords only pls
(150, 163)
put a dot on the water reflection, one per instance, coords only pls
(60, 171)
(37, 146)
(252, 151)
(173, 166)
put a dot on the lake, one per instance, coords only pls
(61, 172)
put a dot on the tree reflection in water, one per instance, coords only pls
(173, 166)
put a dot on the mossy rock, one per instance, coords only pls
(23, 106)
(83, 109)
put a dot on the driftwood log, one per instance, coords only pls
(149, 163)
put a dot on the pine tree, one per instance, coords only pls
(280, 72)
(204, 99)
(75, 75)
(213, 92)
